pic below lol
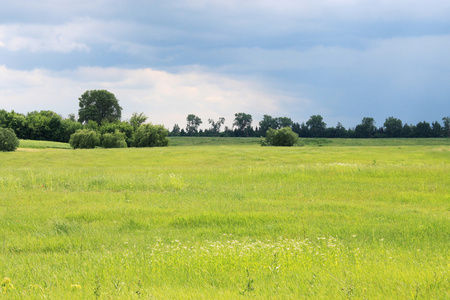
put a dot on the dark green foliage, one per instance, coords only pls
(176, 130)
(446, 129)
(316, 126)
(149, 135)
(393, 127)
(123, 127)
(422, 130)
(281, 137)
(274, 123)
(8, 140)
(68, 126)
(193, 122)
(366, 129)
(84, 139)
(137, 120)
(14, 121)
(98, 106)
(114, 140)
(243, 123)
(215, 126)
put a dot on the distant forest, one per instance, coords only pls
(50, 126)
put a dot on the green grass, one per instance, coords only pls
(30, 144)
(236, 221)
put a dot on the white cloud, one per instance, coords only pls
(36, 38)
(165, 97)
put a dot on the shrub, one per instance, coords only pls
(148, 135)
(8, 139)
(114, 140)
(84, 139)
(281, 137)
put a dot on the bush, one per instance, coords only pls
(84, 139)
(114, 140)
(281, 137)
(148, 135)
(8, 139)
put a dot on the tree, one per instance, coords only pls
(8, 140)
(366, 129)
(137, 119)
(436, 129)
(407, 130)
(422, 130)
(149, 135)
(284, 122)
(266, 123)
(215, 126)
(99, 105)
(84, 139)
(68, 126)
(114, 140)
(123, 127)
(193, 122)
(393, 127)
(446, 121)
(176, 130)
(274, 123)
(243, 122)
(45, 125)
(16, 122)
(341, 132)
(281, 137)
(316, 126)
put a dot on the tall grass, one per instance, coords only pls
(226, 222)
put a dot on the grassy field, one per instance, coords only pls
(367, 221)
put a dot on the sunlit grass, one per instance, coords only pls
(227, 222)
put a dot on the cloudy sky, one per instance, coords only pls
(342, 59)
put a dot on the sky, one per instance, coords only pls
(341, 59)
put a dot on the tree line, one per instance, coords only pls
(315, 127)
(100, 111)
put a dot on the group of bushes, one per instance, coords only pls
(146, 135)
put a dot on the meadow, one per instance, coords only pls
(363, 219)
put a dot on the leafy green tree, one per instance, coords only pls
(44, 125)
(446, 121)
(123, 127)
(341, 132)
(266, 123)
(92, 125)
(393, 127)
(84, 139)
(274, 123)
(215, 126)
(15, 121)
(8, 139)
(281, 137)
(149, 135)
(176, 130)
(137, 120)
(243, 122)
(99, 105)
(316, 126)
(366, 129)
(114, 140)
(193, 122)
(407, 131)
(436, 129)
(422, 130)
(68, 127)
(284, 122)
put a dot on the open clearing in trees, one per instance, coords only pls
(240, 220)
